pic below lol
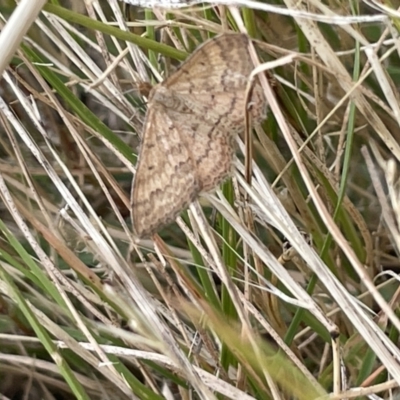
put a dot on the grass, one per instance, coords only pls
(214, 306)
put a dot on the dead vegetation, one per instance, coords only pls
(216, 305)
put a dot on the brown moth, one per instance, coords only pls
(191, 123)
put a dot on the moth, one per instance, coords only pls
(191, 123)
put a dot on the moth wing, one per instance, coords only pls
(223, 61)
(165, 182)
